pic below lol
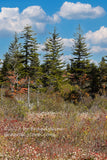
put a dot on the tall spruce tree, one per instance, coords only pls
(80, 62)
(35, 68)
(53, 66)
(29, 57)
(15, 53)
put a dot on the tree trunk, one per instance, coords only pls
(28, 96)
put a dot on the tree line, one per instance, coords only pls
(73, 81)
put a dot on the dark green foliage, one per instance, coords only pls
(74, 82)
(29, 57)
(103, 75)
(94, 83)
(12, 59)
(68, 67)
(80, 62)
(53, 66)
(6, 67)
(15, 52)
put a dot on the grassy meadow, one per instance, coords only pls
(52, 128)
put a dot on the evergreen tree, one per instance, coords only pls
(6, 66)
(29, 57)
(80, 62)
(68, 68)
(35, 68)
(94, 80)
(103, 75)
(15, 54)
(53, 66)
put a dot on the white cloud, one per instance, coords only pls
(12, 13)
(34, 11)
(56, 18)
(12, 20)
(98, 49)
(41, 47)
(97, 40)
(80, 11)
(68, 42)
(97, 37)
(9, 19)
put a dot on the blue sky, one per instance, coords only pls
(44, 15)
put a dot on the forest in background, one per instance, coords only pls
(80, 81)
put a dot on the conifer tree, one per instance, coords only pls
(94, 77)
(103, 74)
(80, 62)
(29, 57)
(15, 54)
(35, 68)
(53, 66)
(6, 66)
